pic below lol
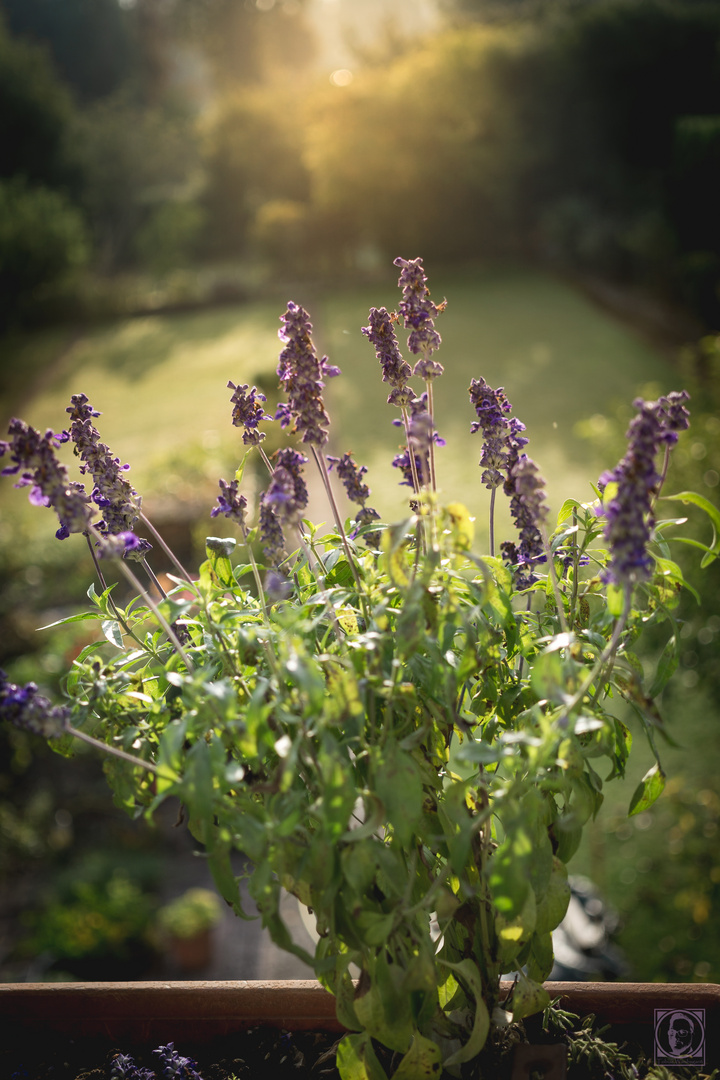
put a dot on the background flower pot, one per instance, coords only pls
(136, 1015)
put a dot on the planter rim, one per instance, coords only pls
(199, 1011)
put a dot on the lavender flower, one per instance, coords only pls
(358, 492)
(230, 503)
(24, 707)
(396, 371)
(529, 510)
(630, 488)
(418, 313)
(421, 433)
(121, 545)
(248, 413)
(117, 499)
(492, 408)
(271, 533)
(124, 1067)
(287, 492)
(672, 415)
(174, 1066)
(47, 478)
(301, 373)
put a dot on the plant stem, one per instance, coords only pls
(320, 461)
(492, 522)
(170, 554)
(115, 752)
(125, 569)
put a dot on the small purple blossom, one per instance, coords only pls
(529, 510)
(629, 490)
(396, 371)
(248, 413)
(124, 1067)
(123, 545)
(46, 476)
(230, 503)
(418, 312)
(357, 491)
(673, 416)
(25, 708)
(492, 408)
(174, 1066)
(302, 373)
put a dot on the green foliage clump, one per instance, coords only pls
(406, 735)
(43, 239)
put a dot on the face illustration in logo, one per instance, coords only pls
(680, 1033)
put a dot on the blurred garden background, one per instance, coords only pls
(173, 171)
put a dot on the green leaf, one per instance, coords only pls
(712, 512)
(113, 633)
(356, 1059)
(399, 786)
(423, 1060)
(469, 975)
(384, 1010)
(566, 510)
(528, 997)
(219, 550)
(83, 617)
(648, 790)
(667, 665)
(553, 904)
(541, 958)
(615, 600)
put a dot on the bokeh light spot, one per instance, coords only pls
(341, 77)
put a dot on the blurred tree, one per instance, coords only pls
(247, 41)
(252, 147)
(133, 159)
(42, 239)
(35, 112)
(91, 41)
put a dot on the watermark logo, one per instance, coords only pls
(680, 1037)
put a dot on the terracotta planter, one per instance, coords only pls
(140, 1014)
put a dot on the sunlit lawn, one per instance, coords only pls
(160, 382)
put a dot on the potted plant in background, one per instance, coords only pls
(407, 735)
(184, 928)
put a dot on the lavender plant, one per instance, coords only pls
(406, 734)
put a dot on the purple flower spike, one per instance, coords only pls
(271, 533)
(358, 492)
(118, 500)
(287, 492)
(492, 408)
(396, 371)
(420, 434)
(248, 413)
(46, 477)
(418, 312)
(529, 510)
(633, 485)
(24, 707)
(230, 503)
(301, 373)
